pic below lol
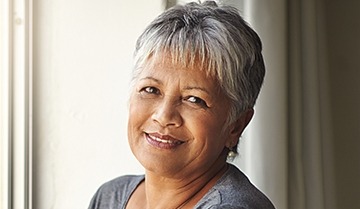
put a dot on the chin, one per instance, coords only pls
(161, 165)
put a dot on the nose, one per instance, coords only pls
(167, 113)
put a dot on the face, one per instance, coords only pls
(177, 120)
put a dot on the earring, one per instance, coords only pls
(231, 154)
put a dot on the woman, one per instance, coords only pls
(197, 75)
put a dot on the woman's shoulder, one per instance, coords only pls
(234, 190)
(123, 182)
(115, 192)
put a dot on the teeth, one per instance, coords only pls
(162, 140)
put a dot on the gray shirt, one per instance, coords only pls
(232, 191)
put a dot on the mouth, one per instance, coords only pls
(162, 141)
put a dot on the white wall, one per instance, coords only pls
(82, 63)
(263, 149)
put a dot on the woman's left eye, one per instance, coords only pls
(197, 101)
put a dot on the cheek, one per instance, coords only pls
(136, 120)
(209, 142)
(139, 114)
(135, 114)
(207, 129)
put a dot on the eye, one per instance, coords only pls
(149, 91)
(197, 101)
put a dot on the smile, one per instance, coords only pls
(164, 142)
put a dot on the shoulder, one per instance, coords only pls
(235, 191)
(115, 192)
(123, 183)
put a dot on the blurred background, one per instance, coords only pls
(65, 73)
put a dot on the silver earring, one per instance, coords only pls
(231, 155)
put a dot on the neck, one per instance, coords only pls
(165, 192)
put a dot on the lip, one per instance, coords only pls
(162, 141)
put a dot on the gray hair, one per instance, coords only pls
(214, 37)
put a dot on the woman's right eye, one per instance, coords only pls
(150, 90)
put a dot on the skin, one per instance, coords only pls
(177, 130)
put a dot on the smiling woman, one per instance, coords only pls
(198, 71)
(186, 110)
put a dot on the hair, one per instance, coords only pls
(214, 37)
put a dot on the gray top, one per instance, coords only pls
(232, 191)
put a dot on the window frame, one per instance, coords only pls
(16, 104)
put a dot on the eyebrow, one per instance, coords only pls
(187, 88)
(151, 78)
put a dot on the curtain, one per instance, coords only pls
(287, 149)
(310, 151)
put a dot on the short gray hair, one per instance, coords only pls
(214, 37)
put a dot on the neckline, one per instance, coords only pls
(141, 178)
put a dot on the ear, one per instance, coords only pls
(237, 127)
